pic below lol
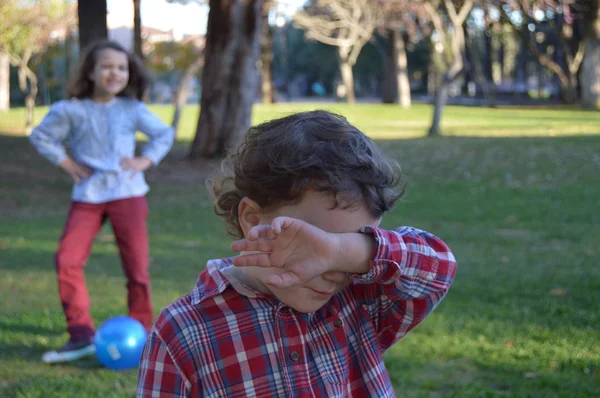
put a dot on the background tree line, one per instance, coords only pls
(390, 49)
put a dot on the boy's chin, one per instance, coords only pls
(306, 306)
(307, 309)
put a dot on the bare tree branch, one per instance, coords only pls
(566, 75)
(576, 61)
(436, 19)
(346, 24)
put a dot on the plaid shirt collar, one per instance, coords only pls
(217, 279)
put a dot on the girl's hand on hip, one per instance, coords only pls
(77, 171)
(135, 164)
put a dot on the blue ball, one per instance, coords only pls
(119, 342)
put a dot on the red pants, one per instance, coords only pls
(128, 219)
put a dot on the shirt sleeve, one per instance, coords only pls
(160, 135)
(410, 274)
(158, 374)
(49, 135)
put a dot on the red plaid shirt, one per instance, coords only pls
(216, 342)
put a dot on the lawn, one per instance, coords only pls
(514, 192)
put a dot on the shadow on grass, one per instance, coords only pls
(33, 353)
(26, 328)
(504, 283)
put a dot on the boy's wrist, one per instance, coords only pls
(354, 253)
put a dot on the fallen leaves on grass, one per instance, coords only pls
(558, 292)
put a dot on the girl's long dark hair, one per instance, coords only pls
(83, 87)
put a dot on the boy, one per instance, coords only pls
(319, 291)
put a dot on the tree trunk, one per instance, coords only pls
(488, 58)
(477, 65)
(402, 71)
(229, 77)
(569, 91)
(30, 101)
(182, 93)
(540, 81)
(496, 58)
(347, 74)
(521, 76)
(31, 89)
(590, 74)
(502, 59)
(266, 59)
(92, 21)
(67, 59)
(4, 81)
(43, 86)
(432, 77)
(137, 29)
(469, 73)
(458, 55)
(590, 69)
(390, 89)
(441, 98)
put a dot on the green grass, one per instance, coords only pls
(514, 193)
(391, 122)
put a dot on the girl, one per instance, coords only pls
(100, 121)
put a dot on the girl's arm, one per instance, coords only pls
(160, 135)
(49, 135)
(409, 274)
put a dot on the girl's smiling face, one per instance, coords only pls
(110, 74)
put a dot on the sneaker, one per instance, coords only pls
(71, 351)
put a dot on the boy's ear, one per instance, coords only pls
(248, 214)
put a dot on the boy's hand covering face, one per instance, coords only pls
(301, 249)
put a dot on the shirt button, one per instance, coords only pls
(338, 323)
(295, 356)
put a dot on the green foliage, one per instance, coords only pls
(171, 56)
(514, 194)
(26, 24)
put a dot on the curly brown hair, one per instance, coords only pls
(83, 87)
(281, 159)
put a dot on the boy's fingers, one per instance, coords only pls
(281, 223)
(282, 280)
(276, 225)
(253, 260)
(255, 232)
(261, 231)
(261, 245)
